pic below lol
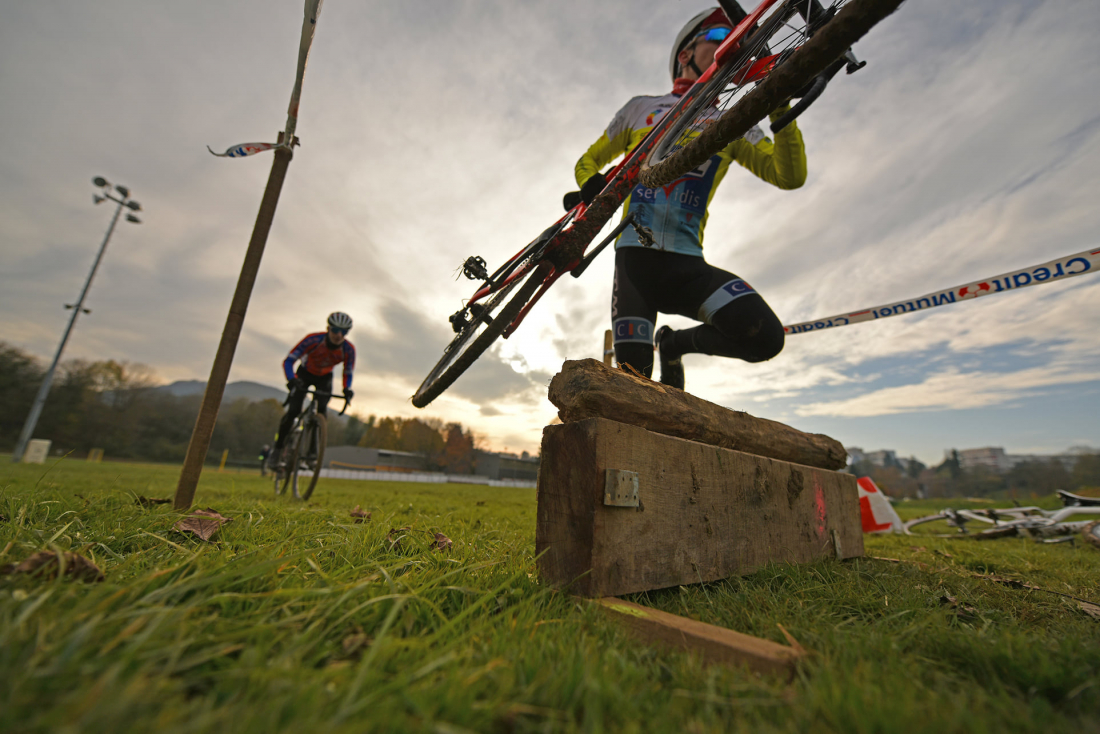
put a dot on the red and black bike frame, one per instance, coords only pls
(586, 223)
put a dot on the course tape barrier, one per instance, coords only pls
(1060, 269)
(309, 27)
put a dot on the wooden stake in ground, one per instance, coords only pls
(223, 360)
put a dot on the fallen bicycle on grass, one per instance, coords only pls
(1029, 522)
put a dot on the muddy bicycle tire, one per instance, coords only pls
(321, 438)
(828, 44)
(439, 380)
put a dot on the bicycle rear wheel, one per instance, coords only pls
(742, 92)
(477, 336)
(313, 463)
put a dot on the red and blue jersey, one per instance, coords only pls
(318, 359)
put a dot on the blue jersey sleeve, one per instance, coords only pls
(349, 363)
(300, 351)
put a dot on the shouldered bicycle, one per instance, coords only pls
(782, 50)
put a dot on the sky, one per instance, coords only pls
(437, 129)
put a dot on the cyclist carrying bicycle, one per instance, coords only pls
(319, 354)
(673, 277)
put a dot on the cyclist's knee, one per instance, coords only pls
(765, 342)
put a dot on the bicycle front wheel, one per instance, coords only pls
(479, 335)
(749, 87)
(314, 458)
(282, 464)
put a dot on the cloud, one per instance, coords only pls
(431, 132)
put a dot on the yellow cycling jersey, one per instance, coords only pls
(677, 213)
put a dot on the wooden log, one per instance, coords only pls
(587, 389)
(703, 513)
(712, 643)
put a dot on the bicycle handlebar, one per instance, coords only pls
(322, 393)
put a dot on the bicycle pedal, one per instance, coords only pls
(474, 268)
(645, 235)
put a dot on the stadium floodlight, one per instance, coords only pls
(77, 309)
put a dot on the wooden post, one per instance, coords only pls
(608, 349)
(223, 360)
(622, 510)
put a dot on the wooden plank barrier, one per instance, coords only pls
(702, 512)
(586, 388)
(713, 644)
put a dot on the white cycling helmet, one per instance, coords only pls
(339, 320)
(711, 16)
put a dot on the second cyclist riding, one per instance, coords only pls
(782, 50)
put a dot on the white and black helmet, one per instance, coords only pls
(339, 320)
(710, 16)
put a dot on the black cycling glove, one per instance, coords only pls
(295, 383)
(591, 189)
(349, 394)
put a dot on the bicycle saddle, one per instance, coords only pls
(1075, 500)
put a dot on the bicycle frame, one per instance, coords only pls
(566, 249)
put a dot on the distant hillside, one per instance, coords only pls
(233, 391)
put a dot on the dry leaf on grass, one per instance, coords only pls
(359, 515)
(45, 563)
(1090, 609)
(203, 523)
(964, 611)
(441, 542)
(149, 502)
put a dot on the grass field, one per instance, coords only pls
(297, 619)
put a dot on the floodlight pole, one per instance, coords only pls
(47, 381)
(223, 360)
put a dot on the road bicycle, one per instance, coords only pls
(1003, 522)
(304, 449)
(783, 50)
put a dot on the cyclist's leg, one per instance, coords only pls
(293, 410)
(737, 322)
(632, 315)
(323, 383)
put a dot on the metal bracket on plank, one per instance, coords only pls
(621, 488)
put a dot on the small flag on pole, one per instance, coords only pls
(244, 149)
(309, 26)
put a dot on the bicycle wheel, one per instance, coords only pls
(282, 475)
(946, 524)
(313, 462)
(476, 337)
(743, 91)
